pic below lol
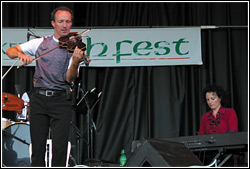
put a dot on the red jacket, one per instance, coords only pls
(225, 121)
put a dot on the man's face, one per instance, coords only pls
(62, 23)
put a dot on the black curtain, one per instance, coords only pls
(148, 102)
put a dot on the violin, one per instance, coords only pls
(71, 41)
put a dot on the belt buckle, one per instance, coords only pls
(49, 93)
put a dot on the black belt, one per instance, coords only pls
(50, 92)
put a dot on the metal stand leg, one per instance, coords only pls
(218, 155)
(79, 136)
(225, 160)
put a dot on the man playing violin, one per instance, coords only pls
(49, 106)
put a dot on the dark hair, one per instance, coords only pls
(61, 8)
(220, 92)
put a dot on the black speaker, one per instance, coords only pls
(159, 153)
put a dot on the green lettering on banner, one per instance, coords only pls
(157, 46)
(10, 45)
(178, 44)
(90, 46)
(147, 47)
(118, 50)
(2, 48)
(13, 44)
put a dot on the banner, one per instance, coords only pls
(124, 46)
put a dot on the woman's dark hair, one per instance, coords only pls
(220, 92)
(61, 8)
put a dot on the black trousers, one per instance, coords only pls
(54, 113)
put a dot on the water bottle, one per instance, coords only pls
(123, 158)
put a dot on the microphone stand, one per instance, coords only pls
(88, 122)
(90, 125)
(89, 129)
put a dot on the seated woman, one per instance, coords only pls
(219, 119)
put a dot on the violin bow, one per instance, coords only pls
(9, 69)
(55, 47)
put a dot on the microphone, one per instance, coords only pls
(99, 94)
(28, 36)
(78, 90)
(18, 89)
(92, 90)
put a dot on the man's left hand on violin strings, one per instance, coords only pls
(78, 55)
